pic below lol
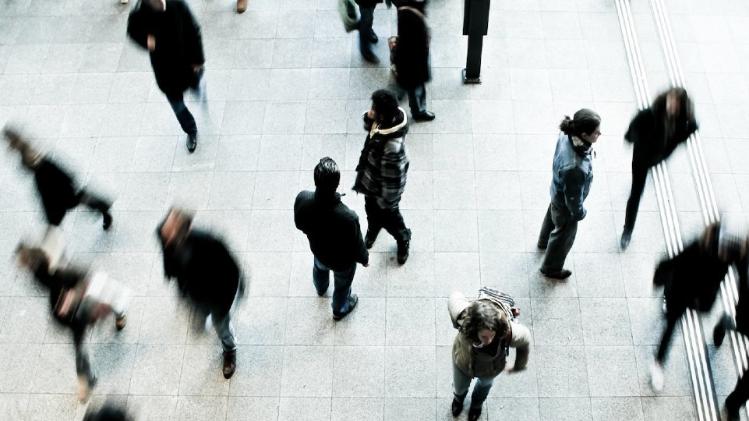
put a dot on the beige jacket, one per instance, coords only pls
(475, 364)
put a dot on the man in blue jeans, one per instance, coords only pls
(334, 237)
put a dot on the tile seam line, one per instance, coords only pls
(669, 217)
(709, 206)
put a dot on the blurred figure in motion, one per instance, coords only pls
(691, 280)
(487, 329)
(740, 393)
(77, 299)
(367, 35)
(207, 275)
(410, 58)
(334, 237)
(56, 187)
(572, 175)
(381, 172)
(108, 412)
(655, 132)
(170, 33)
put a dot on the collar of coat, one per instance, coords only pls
(390, 131)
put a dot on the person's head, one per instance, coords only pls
(327, 175)
(31, 258)
(674, 103)
(585, 124)
(176, 226)
(385, 106)
(108, 412)
(157, 5)
(29, 155)
(483, 323)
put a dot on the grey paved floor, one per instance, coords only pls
(287, 86)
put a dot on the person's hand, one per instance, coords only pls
(511, 369)
(197, 67)
(371, 114)
(151, 42)
(366, 265)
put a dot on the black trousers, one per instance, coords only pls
(185, 118)
(639, 178)
(82, 364)
(365, 27)
(390, 219)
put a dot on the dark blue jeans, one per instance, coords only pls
(342, 286)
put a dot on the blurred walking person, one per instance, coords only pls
(487, 329)
(410, 57)
(691, 280)
(207, 274)
(108, 412)
(572, 175)
(381, 172)
(56, 186)
(77, 299)
(655, 132)
(170, 33)
(334, 237)
(367, 35)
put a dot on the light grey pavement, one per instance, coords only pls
(286, 87)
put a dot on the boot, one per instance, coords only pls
(719, 333)
(474, 414)
(351, 306)
(192, 142)
(457, 405)
(403, 247)
(562, 274)
(626, 238)
(230, 363)
(106, 219)
(370, 238)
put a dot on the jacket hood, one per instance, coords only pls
(398, 130)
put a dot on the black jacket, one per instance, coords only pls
(179, 45)
(742, 308)
(206, 271)
(367, 3)
(332, 229)
(651, 144)
(57, 190)
(411, 55)
(55, 283)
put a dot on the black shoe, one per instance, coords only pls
(403, 247)
(107, 220)
(425, 116)
(373, 38)
(731, 415)
(457, 407)
(626, 237)
(369, 239)
(562, 274)
(192, 142)
(230, 364)
(474, 414)
(351, 306)
(541, 246)
(719, 333)
(369, 56)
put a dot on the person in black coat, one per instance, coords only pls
(367, 36)
(655, 132)
(207, 274)
(410, 57)
(168, 30)
(57, 189)
(67, 287)
(691, 280)
(108, 412)
(334, 237)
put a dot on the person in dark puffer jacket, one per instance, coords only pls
(334, 237)
(382, 168)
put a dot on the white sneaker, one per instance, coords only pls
(123, 1)
(656, 377)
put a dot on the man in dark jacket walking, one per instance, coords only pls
(334, 237)
(381, 172)
(56, 187)
(168, 30)
(207, 275)
(410, 57)
(367, 36)
(571, 178)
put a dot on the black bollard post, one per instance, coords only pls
(475, 25)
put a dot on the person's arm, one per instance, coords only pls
(136, 28)
(521, 340)
(637, 126)
(456, 305)
(573, 180)
(193, 38)
(368, 120)
(362, 252)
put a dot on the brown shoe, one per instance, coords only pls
(230, 364)
(120, 322)
(241, 6)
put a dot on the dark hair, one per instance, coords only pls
(327, 175)
(686, 108)
(482, 315)
(108, 412)
(35, 258)
(385, 105)
(584, 121)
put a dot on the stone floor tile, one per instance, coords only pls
(304, 409)
(309, 321)
(526, 409)
(201, 372)
(628, 408)
(455, 231)
(364, 409)
(456, 190)
(14, 406)
(561, 371)
(258, 372)
(416, 278)
(598, 275)
(410, 372)
(358, 371)
(565, 409)
(365, 326)
(201, 407)
(676, 372)
(410, 321)
(557, 321)
(612, 371)
(158, 370)
(665, 407)
(421, 409)
(52, 407)
(605, 321)
(262, 408)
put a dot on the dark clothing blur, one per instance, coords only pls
(740, 393)
(179, 44)
(558, 232)
(367, 3)
(411, 55)
(419, 5)
(332, 229)
(205, 270)
(654, 141)
(108, 412)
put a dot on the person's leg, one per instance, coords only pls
(374, 220)
(738, 397)
(366, 32)
(481, 391)
(185, 118)
(342, 302)
(97, 203)
(546, 228)
(461, 383)
(719, 332)
(86, 377)
(225, 332)
(417, 100)
(320, 277)
(560, 241)
(668, 332)
(394, 224)
(639, 178)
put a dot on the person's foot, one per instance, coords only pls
(403, 247)
(626, 237)
(541, 246)
(369, 239)
(656, 376)
(230, 364)
(369, 56)
(85, 387)
(373, 38)
(425, 116)
(562, 274)
(353, 300)
(120, 322)
(241, 6)
(106, 220)
(474, 414)
(456, 407)
(730, 414)
(719, 333)
(192, 142)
